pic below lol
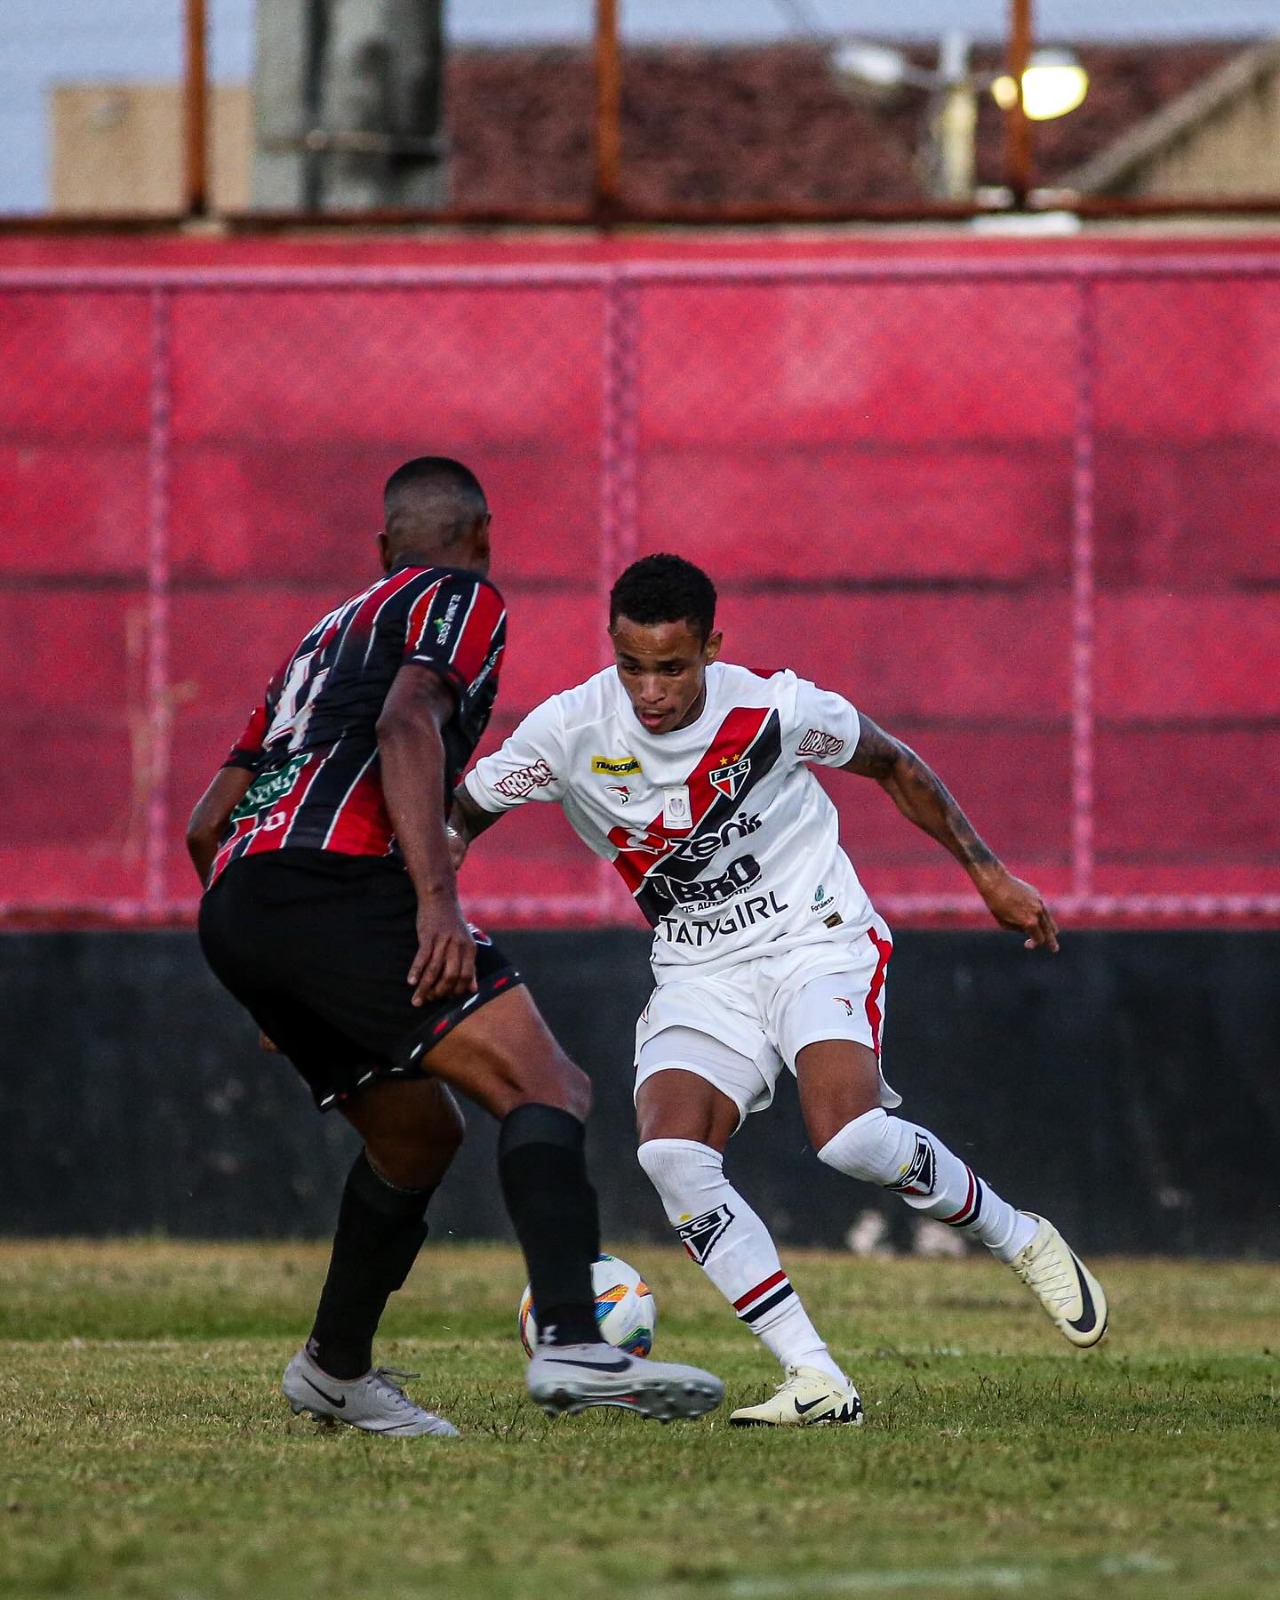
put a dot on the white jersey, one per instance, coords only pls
(720, 831)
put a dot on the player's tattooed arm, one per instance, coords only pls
(924, 799)
(212, 813)
(467, 820)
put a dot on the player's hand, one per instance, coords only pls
(267, 1044)
(458, 843)
(445, 964)
(1019, 907)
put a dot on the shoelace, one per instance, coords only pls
(388, 1375)
(1059, 1286)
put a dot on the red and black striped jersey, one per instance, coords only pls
(312, 743)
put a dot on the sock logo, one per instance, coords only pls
(704, 1233)
(919, 1176)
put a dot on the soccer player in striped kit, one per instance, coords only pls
(331, 913)
(692, 776)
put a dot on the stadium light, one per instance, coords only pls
(1053, 84)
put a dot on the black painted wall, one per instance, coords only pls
(1129, 1088)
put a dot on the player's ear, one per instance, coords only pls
(384, 551)
(711, 650)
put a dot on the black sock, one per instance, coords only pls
(380, 1231)
(554, 1212)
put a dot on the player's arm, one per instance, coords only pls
(467, 821)
(212, 813)
(923, 798)
(412, 759)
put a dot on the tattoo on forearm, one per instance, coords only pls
(918, 793)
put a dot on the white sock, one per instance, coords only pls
(732, 1246)
(929, 1177)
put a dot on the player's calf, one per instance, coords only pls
(734, 1248)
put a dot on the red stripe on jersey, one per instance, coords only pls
(641, 849)
(416, 622)
(760, 1288)
(265, 838)
(475, 640)
(875, 1016)
(362, 824)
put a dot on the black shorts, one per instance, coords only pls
(317, 947)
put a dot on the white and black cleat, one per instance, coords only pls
(807, 1398)
(1065, 1287)
(374, 1402)
(572, 1377)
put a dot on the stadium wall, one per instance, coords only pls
(1126, 1087)
(1016, 500)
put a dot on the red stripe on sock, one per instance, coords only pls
(752, 1294)
(962, 1216)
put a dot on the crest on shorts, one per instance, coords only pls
(703, 1234)
(731, 778)
(918, 1176)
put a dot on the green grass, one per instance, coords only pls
(147, 1453)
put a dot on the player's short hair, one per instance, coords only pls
(431, 501)
(665, 588)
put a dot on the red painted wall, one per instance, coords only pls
(1018, 501)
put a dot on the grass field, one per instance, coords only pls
(146, 1451)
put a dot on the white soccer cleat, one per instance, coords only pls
(373, 1402)
(1067, 1290)
(806, 1398)
(571, 1377)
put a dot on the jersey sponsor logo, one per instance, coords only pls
(264, 792)
(729, 779)
(919, 1174)
(821, 899)
(822, 745)
(699, 933)
(524, 780)
(699, 847)
(702, 1234)
(615, 767)
(740, 874)
(444, 623)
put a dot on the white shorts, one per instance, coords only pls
(738, 1028)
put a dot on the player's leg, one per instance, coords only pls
(685, 1120)
(411, 1132)
(503, 1056)
(842, 1094)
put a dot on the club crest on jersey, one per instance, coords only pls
(731, 778)
(615, 767)
(621, 790)
(918, 1176)
(704, 1233)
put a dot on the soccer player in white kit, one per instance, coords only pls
(692, 776)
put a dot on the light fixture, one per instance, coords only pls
(1053, 84)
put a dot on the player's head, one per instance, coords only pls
(662, 618)
(435, 513)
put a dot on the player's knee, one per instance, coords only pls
(555, 1081)
(679, 1168)
(865, 1148)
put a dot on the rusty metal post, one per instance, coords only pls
(195, 187)
(1017, 127)
(608, 109)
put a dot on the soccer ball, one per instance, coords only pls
(625, 1308)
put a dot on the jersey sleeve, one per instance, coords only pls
(455, 624)
(246, 752)
(825, 727)
(531, 765)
